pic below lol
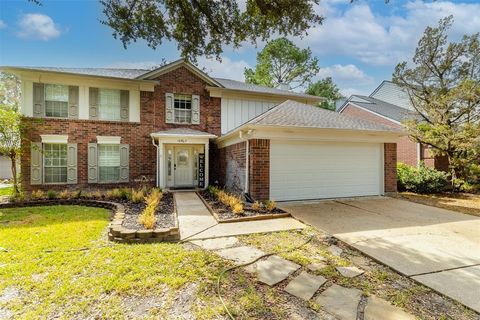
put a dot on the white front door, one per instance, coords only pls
(182, 166)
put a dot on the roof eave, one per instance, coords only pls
(286, 95)
(24, 69)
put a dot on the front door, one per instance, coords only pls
(182, 166)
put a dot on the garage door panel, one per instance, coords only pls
(300, 170)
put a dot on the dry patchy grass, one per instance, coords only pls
(460, 202)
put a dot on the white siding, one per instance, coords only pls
(391, 93)
(6, 167)
(314, 170)
(236, 112)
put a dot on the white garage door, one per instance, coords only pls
(314, 170)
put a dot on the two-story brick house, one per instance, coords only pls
(177, 127)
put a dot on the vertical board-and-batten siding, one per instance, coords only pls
(83, 101)
(236, 112)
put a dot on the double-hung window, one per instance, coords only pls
(55, 162)
(182, 109)
(109, 107)
(56, 100)
(109, 162)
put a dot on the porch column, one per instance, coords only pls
(161, 165)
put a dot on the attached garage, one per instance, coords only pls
(301, 152)
(302, 170)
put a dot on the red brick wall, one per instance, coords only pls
(235, 155)
(137, 135)
(259, 173)
(406, 149)
(390, 167)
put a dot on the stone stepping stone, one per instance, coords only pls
(339, 301)
(305, 285)
(379, 309)
(335, 250)
(350, 272)
(240, 255)
(316, 266)
(217, 243)
(275, 269)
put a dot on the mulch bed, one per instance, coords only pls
(224, 213)
(165, 213)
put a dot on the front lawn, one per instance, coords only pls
(56, 262)
(461, 202)
(8, 191)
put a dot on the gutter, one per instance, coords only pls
(157, 174)
(246, 137)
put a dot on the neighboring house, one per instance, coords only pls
(177, 127)
(5, 168)
(389, 105)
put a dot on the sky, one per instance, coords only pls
(358, 44)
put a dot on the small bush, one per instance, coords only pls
(465, 186)
(17, 197)
(38, 195)
(77, 194)
(237, 208)
(270, 205)
(257, 205)
(213, 190)
(51, 194)
(65, 194)
(137, 196)
(420, 180)
(147, 217)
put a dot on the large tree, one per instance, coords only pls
(328, 89)
(282, 63)
(10, 89)
(443, 82)
(204, 27)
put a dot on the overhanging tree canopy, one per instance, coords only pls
(204, 27)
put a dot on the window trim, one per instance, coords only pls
(45, 100)
(175, 95)
(43, 164)
(99, 118)
(99, 145)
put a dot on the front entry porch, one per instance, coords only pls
(182, 158)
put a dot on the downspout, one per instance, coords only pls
(245, 138)
(158, 172)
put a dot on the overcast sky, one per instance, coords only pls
(358, 45)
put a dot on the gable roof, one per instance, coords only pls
(392, 93)
(150, 75)
(295, 114)
(380, 107)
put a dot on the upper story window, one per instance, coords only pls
(109, 107)
(56, 101)
(182, 109)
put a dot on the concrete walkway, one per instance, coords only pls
(195, 221)
(437, 247)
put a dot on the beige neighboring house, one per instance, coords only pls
(5, 168)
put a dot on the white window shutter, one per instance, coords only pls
(169, 100)
(195, 109)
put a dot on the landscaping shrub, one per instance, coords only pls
(270, 205)
(65, 194)
(137, 196)
(237, 208)
(147, 217)
(38, 195)
(257, 205)
(233, 202)
(420, 180)
(51, 194)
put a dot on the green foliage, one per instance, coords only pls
(51, 194)
(203, 27)
(10, 138)
(281, 62)
(444, 87)
(325, 88)
(10, 89)
(420, 180)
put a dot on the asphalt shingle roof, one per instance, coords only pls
(383, 108)
(294, 114)
(183, 132)
(135, 73)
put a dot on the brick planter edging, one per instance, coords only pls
(116, 232)
(242, 219)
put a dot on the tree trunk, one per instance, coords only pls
(13, 157)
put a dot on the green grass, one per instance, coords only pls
(60, 262)
(6, 191)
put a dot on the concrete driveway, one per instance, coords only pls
(437, 247)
